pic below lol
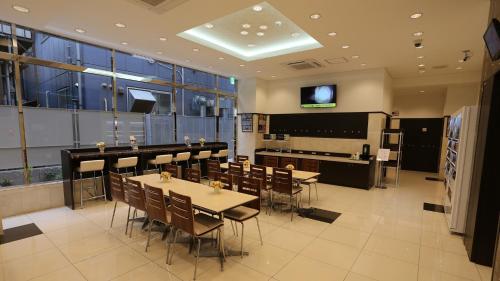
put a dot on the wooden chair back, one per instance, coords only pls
(172, 169)
(136, 197)
(226, 180)
(117, 189)
(252, 187)
(241, 158)
(282, 181)
(193, 175)
(260, 173)
(155, 204)
(213, 167)
(182, 212)
(310, 165)
(235, 170)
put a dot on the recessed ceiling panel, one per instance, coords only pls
(256, 32)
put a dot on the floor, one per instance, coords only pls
(382, 235)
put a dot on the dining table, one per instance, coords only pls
(297, 175)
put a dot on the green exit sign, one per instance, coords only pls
(232, 80)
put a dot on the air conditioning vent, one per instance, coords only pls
(443, 66)
(159, 6)
(153, 2)
(303, 64)
(336, 60)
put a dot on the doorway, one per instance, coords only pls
(421, 143)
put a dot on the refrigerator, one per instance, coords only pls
(461, 136)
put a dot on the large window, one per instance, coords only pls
(196, 116)
(227, 122)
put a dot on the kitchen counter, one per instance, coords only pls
(314, 156)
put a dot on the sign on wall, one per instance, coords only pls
(247, 122)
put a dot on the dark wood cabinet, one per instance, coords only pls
(285, 161)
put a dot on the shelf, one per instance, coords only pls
(392, 147)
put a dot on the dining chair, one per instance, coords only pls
(241, 158)
(193, 175)
(226, 180)
(213, 167)
(156, 208)
(118, 193)
(310, 165)
(260, 173)
(94, 167)
(172, 169)
(248, 211)
(223, 153)
(136, 200)
(235, 170)
(282, 183)
(125, 163)
(184, 219)
(160, 160)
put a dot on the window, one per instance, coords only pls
(198, 78)
(196, 116)
(5, 37)
(227, 84)
(7, 89)
(226, 123)
(143, 66)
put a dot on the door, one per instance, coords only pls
(421, 144)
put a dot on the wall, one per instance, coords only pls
(21, 200)
(458, 96)
(426, 105)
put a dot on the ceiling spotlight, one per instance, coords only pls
(242, 65)
(421, 65)
(263, 27)
(120, 25)
(273, 76)
(421, 91)
(163, 39)
(278, 23)
(251, 45)
(221, 58)
(246, 26)
(363, 64)
(418, 34)
(258, 71)
(124, 43)
(260, 33)
(459, 68)
(420, 46)
(209, 25)
(416, 16)
(420, 57)
(295, 34)
(21, 9)
(196, 50)
(315, 16)
(159, 53)
(244, 32)
(333, 34)
(79, 30)
(355, 57)
(345, 46)
(421, 71)
(257, 8)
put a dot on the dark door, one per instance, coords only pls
(421, 144)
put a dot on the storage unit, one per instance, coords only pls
(458, 168)
(392, 139)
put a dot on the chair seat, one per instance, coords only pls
(296, 190)
(204, 223)
(152, 161)
(241, 213)
(198, 157)
(312, 180)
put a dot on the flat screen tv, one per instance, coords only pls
(318, 96)
(492, 39)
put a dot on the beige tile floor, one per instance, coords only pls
(382, 235)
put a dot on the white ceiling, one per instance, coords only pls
(380, 32)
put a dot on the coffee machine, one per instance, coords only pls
(365, 155)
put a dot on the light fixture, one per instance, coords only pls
(163, 39)
(242, 65)
(273, 76)
(461, 61)
(421, 71)
(421, 46)
(124, 43)
(315, 16)
(159, 53)
(79, 30)
(244, 32)
(418, 34)
(416, 15)
(209, 25)
(421, 91)
(251, 45)
(120, 25)
(258, 71)
(332, 34)
(363, 64)
(246, 26)
(459, 68)
(196, 50)
(295, 34)
(278, 23)
(260, 34)
(421, 65)
(355, 57)
(420, 57)
(21, 9)
(263, 27)
(257, 8)
(221, 58)
(345, 46)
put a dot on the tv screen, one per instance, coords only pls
(318, 96)
(492, 39)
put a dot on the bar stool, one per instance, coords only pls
(182, 157)
(221, 154)
(125, 163)
(160, 160)
(87, 167)
(202, 155)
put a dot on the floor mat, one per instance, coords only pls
(19, 232)
(319, 214)
(434, 207)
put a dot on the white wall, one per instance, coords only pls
(458, 96)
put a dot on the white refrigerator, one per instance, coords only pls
(458, 168)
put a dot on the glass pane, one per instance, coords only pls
(143, 66)
(95, 126)
(54, 48)
(5, 37)
(198, 78)
(227, 84)
(159, 129)
(195, 104)
(195, 128)
(130, 124)
(226, 123)
(129, 92)
(7, 83)
(11, 165)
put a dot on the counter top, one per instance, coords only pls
(313, 156)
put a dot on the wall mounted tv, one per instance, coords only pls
(318, 96)
(492, 39)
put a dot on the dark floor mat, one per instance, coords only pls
(433, 179)
(19, 232)
(319, 214)
(434, 207)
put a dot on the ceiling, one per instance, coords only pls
(379, 32)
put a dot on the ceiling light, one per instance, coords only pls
(355, 57)
(333, 34)
(419, 46)
(244, 32)
(263, 27)
(260, 33)
(196, 50)
(416, 15)
(345, 46)
(418, 34)
(251, 45)
(459, 68)
(315, 16)
(209, 25)
(159, 53)
(79, 30)
(124, 43)
(273, 76)
(257, 8)
(258, 71)
(420, 57)
(242, 65)
(363, 64)
(461, 61)
(421, 91)
(421, 71)
(278, 23)
(221, 58)
(21, 9)
(421, 65)
(163, 39)
(120, 25)
(295, 34)
(246, 26)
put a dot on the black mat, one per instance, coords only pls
(433, 179)
(433, 207)
(19, 232)
(319, 214)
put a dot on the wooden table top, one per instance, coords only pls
(296, 174)
(202, 196)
